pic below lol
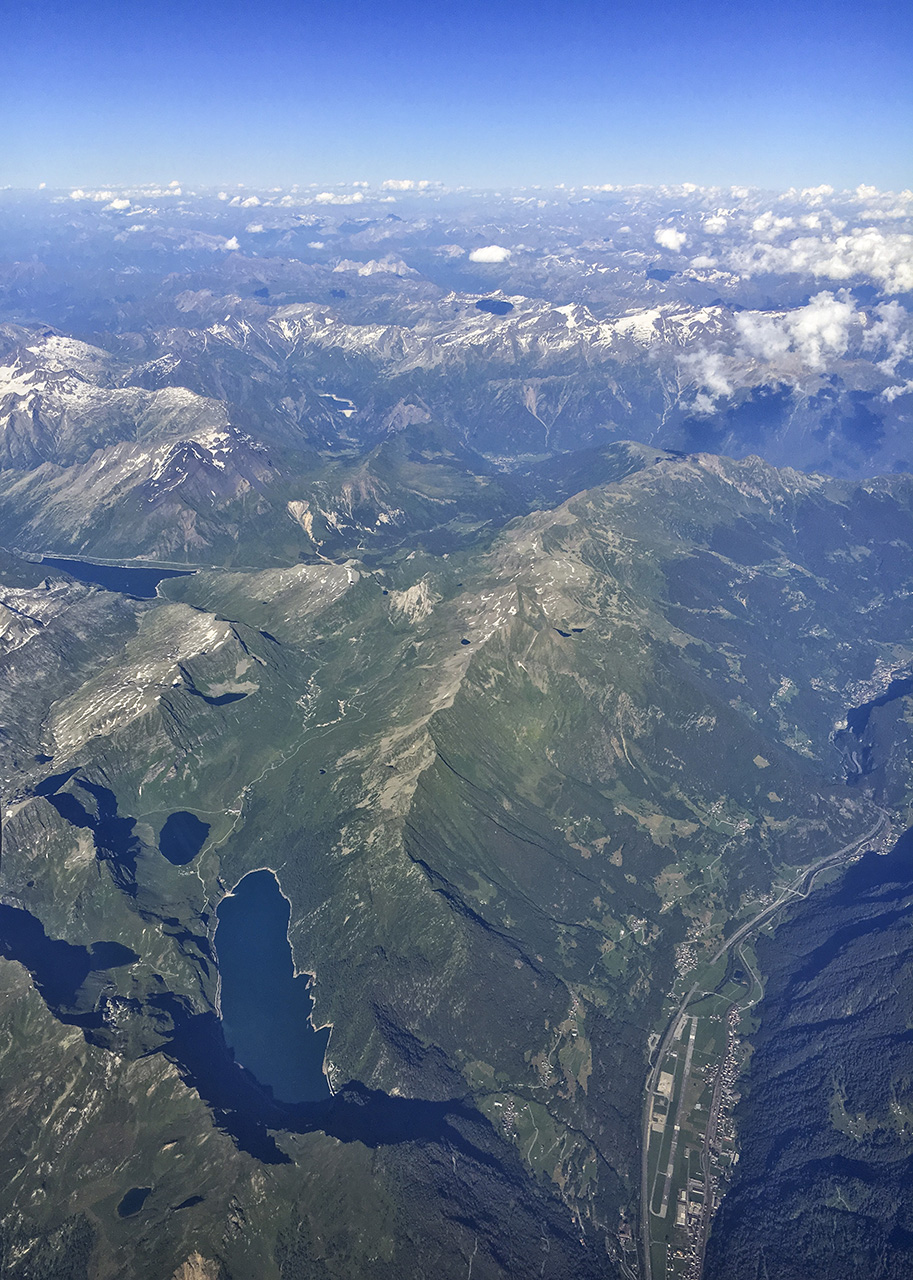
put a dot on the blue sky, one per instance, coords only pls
(486, 94)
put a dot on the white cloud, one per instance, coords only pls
(174, 183)
(250, 203)
(79, 194)
(316, 244)
(762, 335)
(767, 223)
(883, 256)
(117, 204)
(715, 225)
(816, 195)
(891, 393)
(822, 327)
(815, 333)
(339, 197)
(702, 262)
(669, 238)
(398, 184)
(223, 195)
(707, 369)
(232, 244)
(490, 253)
(891, 334)
(254, 228)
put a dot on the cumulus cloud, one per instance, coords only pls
(254, 228)
(886, 257)
(117, 204)
(716, 224)
(490, 253)
(707, 369)
(250, 203)
(815, 333)
(805, 340)
(317, 244)
(669, 238)
(769, 223)
(815, 195)
(703, 262)
(763, 336)
(398, 184)
(232, 244)
(890, 335)
(339, 197)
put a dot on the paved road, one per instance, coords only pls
(799, 887)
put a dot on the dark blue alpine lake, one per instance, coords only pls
(182, 837)
(265, 1007)
(138, 581)
(494, 306)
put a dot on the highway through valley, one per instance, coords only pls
(799, 887)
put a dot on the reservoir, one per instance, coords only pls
(140, 581)
(265, 1008)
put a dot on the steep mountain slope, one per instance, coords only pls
(95, 463)
(808, 386)
(778, 326)
(505, 792)
(825, 1138)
